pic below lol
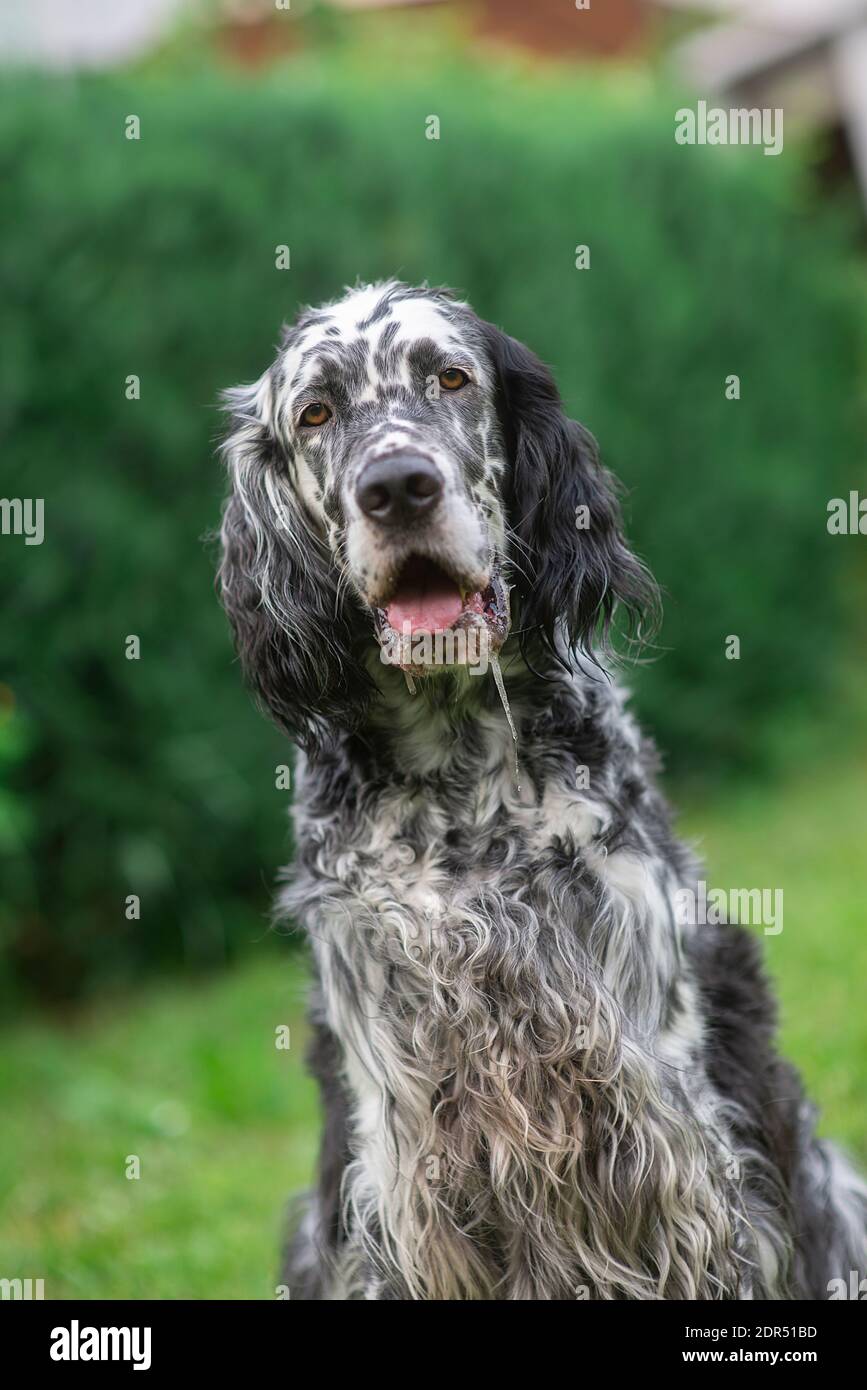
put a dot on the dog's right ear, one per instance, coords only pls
(279, 584)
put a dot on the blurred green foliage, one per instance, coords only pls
(156, 258)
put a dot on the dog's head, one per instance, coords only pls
(395, 473)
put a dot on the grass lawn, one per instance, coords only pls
(808, 836)
(188, 1078)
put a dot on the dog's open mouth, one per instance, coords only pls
(432, 618)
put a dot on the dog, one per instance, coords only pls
(538, 1081)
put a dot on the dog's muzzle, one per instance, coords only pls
(423, 589)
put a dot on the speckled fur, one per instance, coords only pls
(537, 1084)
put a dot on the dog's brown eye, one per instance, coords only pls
(452, 379)
(315, 414)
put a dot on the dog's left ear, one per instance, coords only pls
(573, 567)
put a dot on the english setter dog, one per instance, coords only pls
(539, 1080)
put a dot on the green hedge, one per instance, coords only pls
(156, 258)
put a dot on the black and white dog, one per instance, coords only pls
(538, 1082)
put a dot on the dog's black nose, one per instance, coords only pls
(398, 489)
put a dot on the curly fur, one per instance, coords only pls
(537, 1083)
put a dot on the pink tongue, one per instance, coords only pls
(429, 605)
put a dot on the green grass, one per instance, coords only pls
(188, 1077)
(807, 837)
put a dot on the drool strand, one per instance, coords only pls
(501, 691)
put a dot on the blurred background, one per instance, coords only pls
(264, 125)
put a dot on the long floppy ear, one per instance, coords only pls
(574, 569)
(279, 585)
